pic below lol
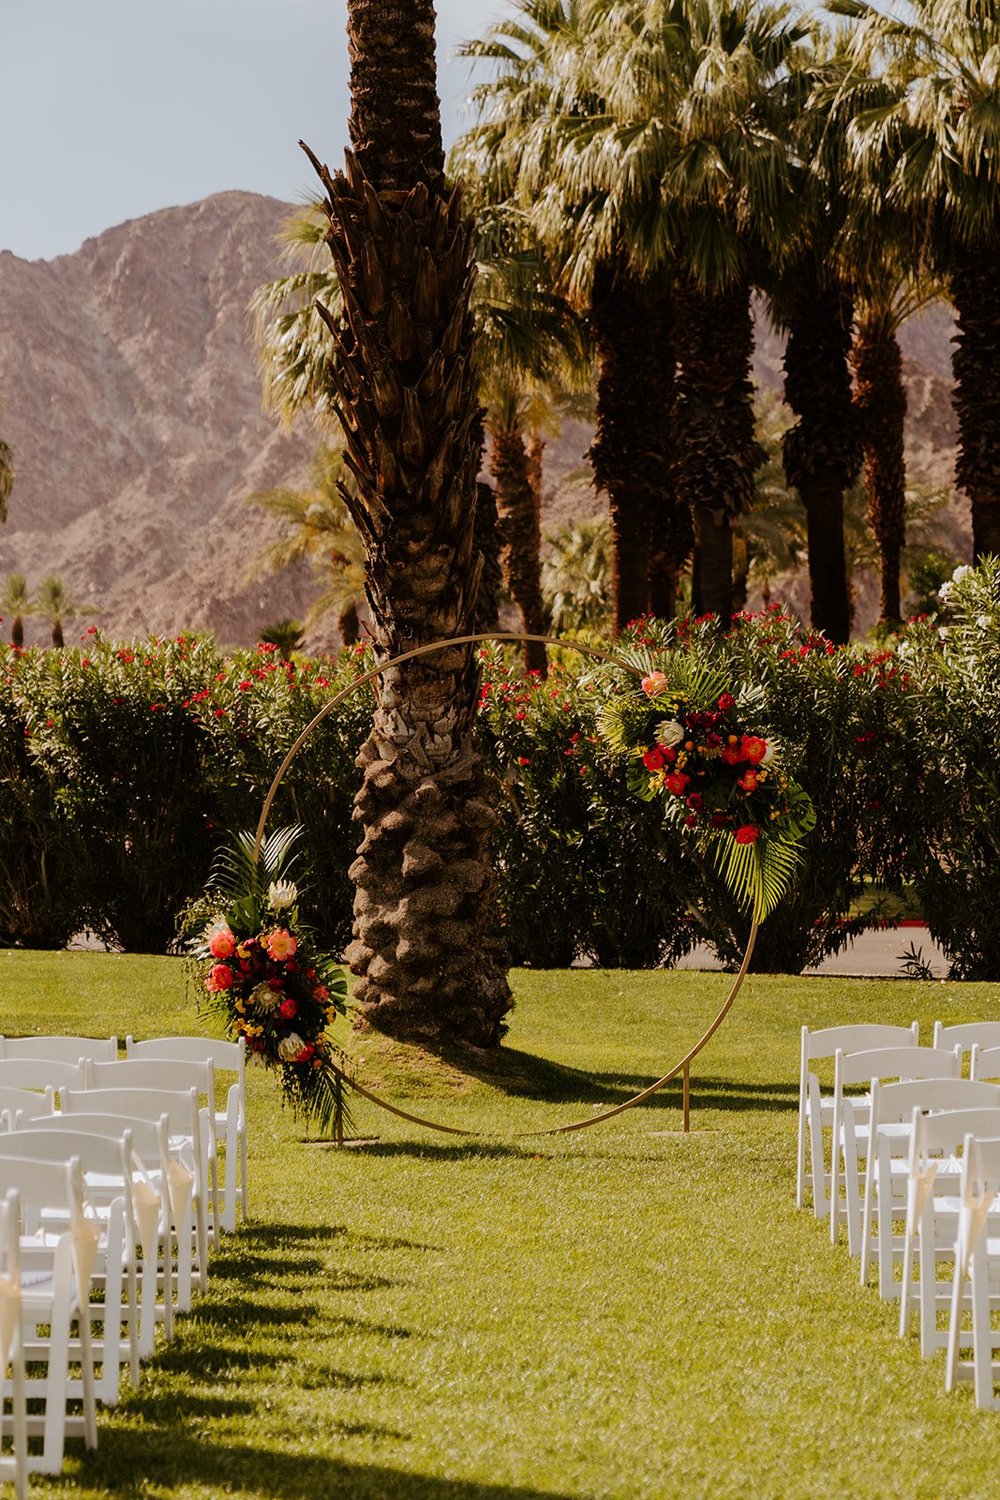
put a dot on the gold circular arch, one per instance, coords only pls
(515, 638)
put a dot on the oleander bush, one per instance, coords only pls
(123, 767)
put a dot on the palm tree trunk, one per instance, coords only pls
(672, 535)
(626, 452)
(487, 538)
(880, 396)
(520, 536)
(348, 624)
(976, 295)
(57, 634)
(717, 452)
(17, 631)
(428, 963)
(822, 452)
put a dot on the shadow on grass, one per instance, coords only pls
(177, 1456)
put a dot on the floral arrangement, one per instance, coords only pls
(707, 752)
(257, 966)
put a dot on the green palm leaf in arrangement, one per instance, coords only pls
(705, 751)
(259, 969)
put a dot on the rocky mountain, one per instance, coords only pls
(132, 403)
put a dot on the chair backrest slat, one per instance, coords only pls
(860, 1038)
(42, 1073)
(896, 1101)
(897, 1062)
(68, 1049)
(967, 1035)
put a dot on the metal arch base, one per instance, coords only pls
(683, 1066)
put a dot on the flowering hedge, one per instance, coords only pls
(123, 767)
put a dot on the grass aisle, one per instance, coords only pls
(622, 1313)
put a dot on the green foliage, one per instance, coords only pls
(122, 768)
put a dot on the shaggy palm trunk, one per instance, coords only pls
(17, 631)
(348, 624)
(671, 532)
(520, 536)
(427, 960)
(626, 452)
(822, 452)
(487, 538)
(975, 291)
(880, 396)
(57, 634)
(717, 452)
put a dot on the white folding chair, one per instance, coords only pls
(21, 1105)
(68, 1049)
(42, 1073)
(230, 1124)
(887, 1169)
(175, 1075)
(932, 1210)
(985, 1062)
(13, 1466)
(153, 1176)
(977, 1271)
(851, 1132)
(55, 1293)
(967, 1035)
(816, 1109)
(188, 1199)
(107, 1185)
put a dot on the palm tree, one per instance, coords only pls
(880, 396)
(811, 297)
(16, 602)
(541, 110)
(405, 391)
(576, 577)
(6, 479)
(54, 605)
(318, 528)
(286, 634)
(924, 131)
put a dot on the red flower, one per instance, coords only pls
(754, 749)
(676, 782)
(747, 834)
(718, 820)
(748, 781)
(732, 755)
(653, 759)
(690, 820)
(220, 977)
(695, 802)
(289, 1008)
(726, 702)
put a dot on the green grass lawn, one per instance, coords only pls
(625, 1312)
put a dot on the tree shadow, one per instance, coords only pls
(179, 1456)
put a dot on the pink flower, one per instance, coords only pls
(280, 944)
(220, 977)
(221, 941)
(655, 683)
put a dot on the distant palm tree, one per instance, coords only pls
(576, 577)
(925, 135)
(54, 605)
(15, 601)
(286, 635)
(317, 528)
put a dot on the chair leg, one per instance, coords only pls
(982, 1342)
(954, 1325)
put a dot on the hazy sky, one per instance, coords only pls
(112, 108)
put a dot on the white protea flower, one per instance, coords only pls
(669, 732)
(290, 1047)
(281, 895)
(773, 751)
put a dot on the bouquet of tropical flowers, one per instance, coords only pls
(257, 966)
(705, 750)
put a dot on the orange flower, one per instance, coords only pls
(655, 683)
(280, 944)
(754, 749)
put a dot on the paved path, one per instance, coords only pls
(873, 955)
